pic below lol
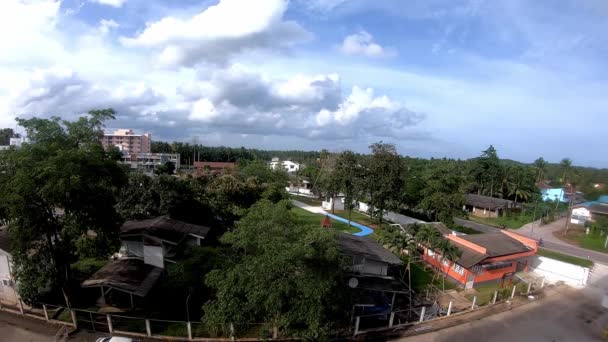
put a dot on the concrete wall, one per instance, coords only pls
(555, 270)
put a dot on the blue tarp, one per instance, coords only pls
(364, 230)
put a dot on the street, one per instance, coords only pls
(569, 315)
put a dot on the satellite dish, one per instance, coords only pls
(353, 282)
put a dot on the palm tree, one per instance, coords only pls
(428, 236)
(566, 167)
(448, 252)
(541, 169)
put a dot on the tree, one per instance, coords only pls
(168, 168)
(348, 175)
(541, 169)
(278, 272)
(443, 191)
(448, 252)
(384, 175)
(6, 134)
(57, 189)
(521, 184)
(566, 168)
(486, 171)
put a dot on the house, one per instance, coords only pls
(485, 206)
(149, 162)
(8, 292)
(374, 272)
(285, 165)
(484, 258)
(147, 246)
(588, 211)
(299, 185)
(336, 202)
(211, 168)
(14, 143)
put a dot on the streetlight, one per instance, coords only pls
(187, 307)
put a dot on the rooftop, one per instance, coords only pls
(163, 227)
(496, 244)
(366, 247)
(130, 275)
(487, 202)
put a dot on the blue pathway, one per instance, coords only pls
(364, 230)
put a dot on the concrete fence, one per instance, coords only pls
(554, 270)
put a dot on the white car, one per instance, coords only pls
(116, 339)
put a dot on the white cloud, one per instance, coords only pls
(362, 43)
(219, 32)
(113, 3)
(105, 25)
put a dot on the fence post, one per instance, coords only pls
(189, 326)
(357, 320)
(73, 314)
(495, 295)
(474, 301)
(20, 306)
(232, 331)
(148, 330)
(450, 308)
(529, 287)
(542, 283)
(109, 319)
(422, 314)
(390, 321)
(513, 292)
(46, 314)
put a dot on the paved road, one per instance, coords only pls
(550, 242)
(569, 315)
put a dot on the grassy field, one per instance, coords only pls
(565, 258)
(356, 217)
(422, 277)
(315, 202)
(513, 222)
(485, 293)
(576, 235)
(316, 219)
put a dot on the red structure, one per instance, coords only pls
(326, 222)
(489, 257)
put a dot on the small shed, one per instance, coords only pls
(485, 206)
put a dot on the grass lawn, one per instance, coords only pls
(513, 222)
(577, 236)
(315, 202)
(485, 293)
(356, 217)
(316, 219)
(422, 277)
(565, 258)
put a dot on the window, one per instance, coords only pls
(5, 282)
(458, 269)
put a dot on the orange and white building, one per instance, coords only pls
(484, 258)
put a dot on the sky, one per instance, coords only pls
(436, 78)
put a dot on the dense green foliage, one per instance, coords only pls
(6, 134)
(56, 190)
(280, 272)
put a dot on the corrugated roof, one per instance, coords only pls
(366, 247)
(130, 275)
(468, 257)
(599, 208)
(487, 202)
(164, 228)
(496, 244)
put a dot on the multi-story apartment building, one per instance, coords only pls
(148, 162)
(128, 142)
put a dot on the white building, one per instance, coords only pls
(8, 293)
(14, 142)
(286, 165)
(148, 162)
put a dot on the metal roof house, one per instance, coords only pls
(485, 206)
(146, 246)
(487, 257)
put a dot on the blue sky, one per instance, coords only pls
(437, 78)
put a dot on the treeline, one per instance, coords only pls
(196, 152)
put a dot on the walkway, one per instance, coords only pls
(318, 210)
